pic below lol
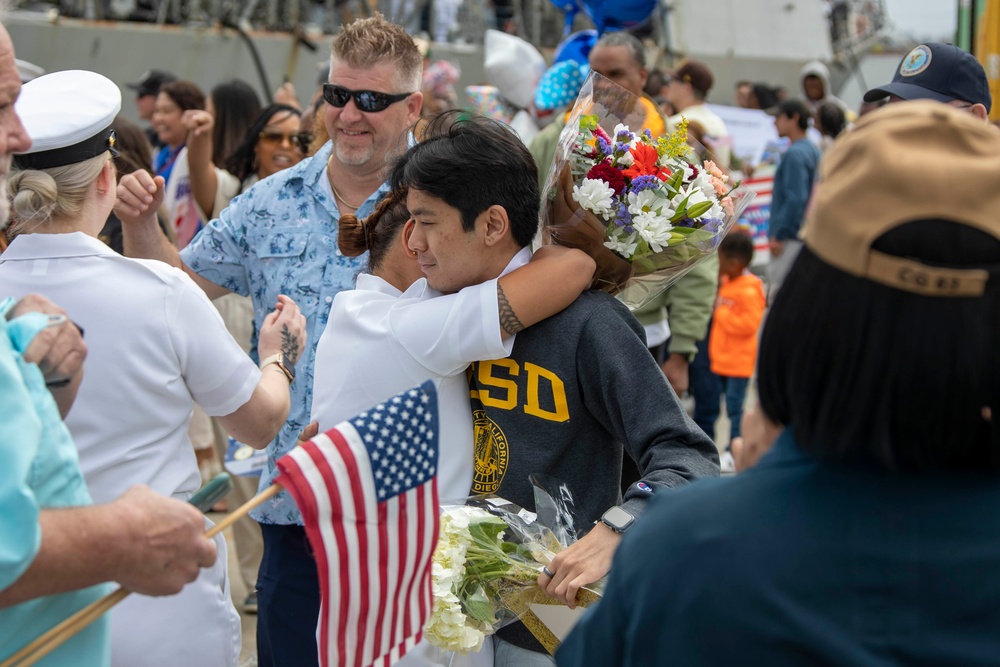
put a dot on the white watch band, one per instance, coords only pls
(273, 359)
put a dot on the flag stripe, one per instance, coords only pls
(368, 494)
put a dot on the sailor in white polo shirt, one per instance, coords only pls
(156, 347)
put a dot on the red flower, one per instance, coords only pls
(646, 157)
(605, 172)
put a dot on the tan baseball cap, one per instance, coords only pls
(911, 161)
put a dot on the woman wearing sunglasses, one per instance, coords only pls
(273, 142)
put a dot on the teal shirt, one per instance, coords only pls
(41, 470)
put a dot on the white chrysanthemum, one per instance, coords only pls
(653, 229)
(624, 245)
(595, 196)
(704, 183)
(648, 201)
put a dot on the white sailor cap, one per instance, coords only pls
(68, 116)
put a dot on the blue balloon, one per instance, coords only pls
(618, 14)
(570, 8)
(575, 47)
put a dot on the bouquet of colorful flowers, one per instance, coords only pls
(644, 208)
(485, 570)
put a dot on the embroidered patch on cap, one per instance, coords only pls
(916, 61)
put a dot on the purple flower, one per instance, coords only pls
(648, 133)
(603, 145)
(621, 148)
(712, 225)
(648, 182)
(629, 229)
(623, 218)
(624, 136)
(684, 222)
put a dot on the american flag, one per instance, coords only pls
(368, 494)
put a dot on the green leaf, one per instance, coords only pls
(479, 607)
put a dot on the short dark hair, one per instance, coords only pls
(471, 163)
(628, 40)
(863, 372)
(739, 245)
(185, 94)
(795, 107)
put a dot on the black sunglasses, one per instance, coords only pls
(369, 101)
(299, 141)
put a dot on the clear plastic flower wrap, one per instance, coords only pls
(485, 568)
(646, 209)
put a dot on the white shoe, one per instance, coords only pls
(727, 464)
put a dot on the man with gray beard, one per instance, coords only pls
(280, 237)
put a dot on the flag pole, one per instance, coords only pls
(59, 634)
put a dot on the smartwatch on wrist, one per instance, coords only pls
(617, 519)
(278, 359)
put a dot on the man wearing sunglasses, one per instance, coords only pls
(280, 237)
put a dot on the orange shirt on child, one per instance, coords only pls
(739, 308)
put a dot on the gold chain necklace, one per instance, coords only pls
(333, 187)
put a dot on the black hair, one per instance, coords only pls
(862, 372)
(831, 119)
(793, 107)
(471, 163)
(739, 245)
(236, 106)
(766, 95)
(242, 162)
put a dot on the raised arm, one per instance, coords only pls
(204, 181)
(258, 421)
(546, 285)
(139, 197)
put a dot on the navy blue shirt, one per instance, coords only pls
(793, 183)
(797, 562)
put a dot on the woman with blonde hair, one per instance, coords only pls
(156, 347)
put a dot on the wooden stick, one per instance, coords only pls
(52, 639)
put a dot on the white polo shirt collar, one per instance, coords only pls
(51, 246)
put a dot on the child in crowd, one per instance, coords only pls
(739, 308)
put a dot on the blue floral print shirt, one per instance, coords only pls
(280, 237)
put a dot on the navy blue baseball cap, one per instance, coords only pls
(941, 72)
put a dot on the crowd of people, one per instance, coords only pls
(262, 273)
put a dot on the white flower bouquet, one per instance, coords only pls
(485, 570)
(645, 209)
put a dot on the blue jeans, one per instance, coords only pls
(736, 392)
(705, 387)
(287, 599)
(508, 655)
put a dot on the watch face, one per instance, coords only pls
(618, 518)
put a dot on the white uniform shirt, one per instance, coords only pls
(379, 342)
(156, 345)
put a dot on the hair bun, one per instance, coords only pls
(351, 236)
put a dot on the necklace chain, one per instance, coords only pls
(339, 197)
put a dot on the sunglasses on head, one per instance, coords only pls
(366, 100)
(299, 141)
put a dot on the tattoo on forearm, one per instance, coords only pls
(289, 346)
(508, 318)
